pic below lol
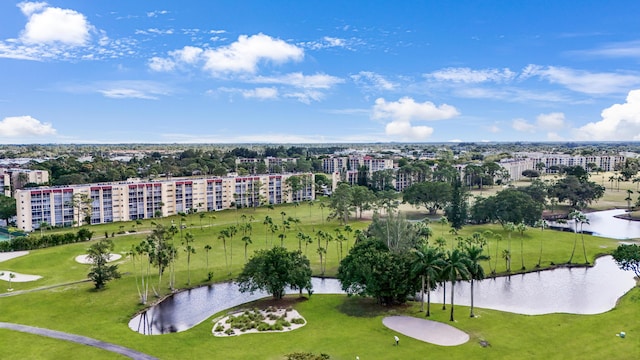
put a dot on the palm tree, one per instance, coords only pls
(246, 240)
(233, 230)
(510, 227)
(575, 216)
(521, 229)
(207, 248)
(267, 222)
(443, 222)
(456, 268)
(628, 199)
(224, 235)
(189, 249)
(428, 262)
(476, 272)
(541, 224)
(495, 263)
(582, 219)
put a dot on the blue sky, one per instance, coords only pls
(108, 71)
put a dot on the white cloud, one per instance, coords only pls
(317, 81)
(619, 122)
(261, 93)
(28, 8)
(584, 81)
(404, 111)
(522, 125)
(160, 32)
(551, 121)
(306, 97)
(467, 75)
(156, 13)
(54, 25)
(494, 129)
(329, 42)
(628, 49)
(161, 65)
(21, 126)
(188, 54)
(122, 93)
(372, 80)
(244, 55)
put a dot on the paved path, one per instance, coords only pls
(78, 339)
(426, 330)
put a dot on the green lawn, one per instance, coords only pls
(340, 326)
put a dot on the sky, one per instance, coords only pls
(118, 71)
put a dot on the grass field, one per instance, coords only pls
(340, 326)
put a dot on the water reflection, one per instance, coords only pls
(564, 290)
(605, 224)
(188, 308)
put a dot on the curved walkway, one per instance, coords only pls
(77, 339)
(426, 330)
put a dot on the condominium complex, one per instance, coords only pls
(604, 162)
(132, 200)
(12, 179)
(340, 164)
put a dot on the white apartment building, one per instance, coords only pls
(605, 162)
(132, 200)
(16, 178)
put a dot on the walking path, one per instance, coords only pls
(426, 330)
(78, 339)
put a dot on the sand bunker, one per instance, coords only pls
(4, 256)
(426, 330)
(258, 321)
(18, 277)
(84, 259)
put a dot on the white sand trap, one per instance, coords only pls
(84, 259)
(4, 256)
(426, 330)
(221, 327)
(18, 277)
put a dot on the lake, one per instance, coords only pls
(567, 290)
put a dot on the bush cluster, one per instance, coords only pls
(40, 242)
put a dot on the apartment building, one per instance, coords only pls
(16, 178)
(604, 162)
(132, 200)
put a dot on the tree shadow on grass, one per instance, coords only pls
(367, 307)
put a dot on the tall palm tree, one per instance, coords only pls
(224, 235)
(521, 229)
(541, 224)
(428, 263)
(628, 199)
(476, 271)
(575, 216)
(441, 242)
(207, 248)
(246, 240)
(268, 221)
(233, 230)
(510, 227)
(189, 249)
(456, 268)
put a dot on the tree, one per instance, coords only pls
(456, 212)
(361, 198)
(189, 249)
(273, 270)
(427, 263)
(208, 248)
(341, 200)
(521, 227)
(433, 195)
(7, 208)
(628, 257)
(578, 219)
(579, 193)
(370, 269)
(476, 271)
(531, 174)
(508, 205)
(101, 273)
(456, 268)
(628, 199)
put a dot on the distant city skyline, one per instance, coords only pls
(319, 72)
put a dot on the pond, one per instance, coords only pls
(576, 290)
(188, 308)
(571, 290)
(605, 224)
